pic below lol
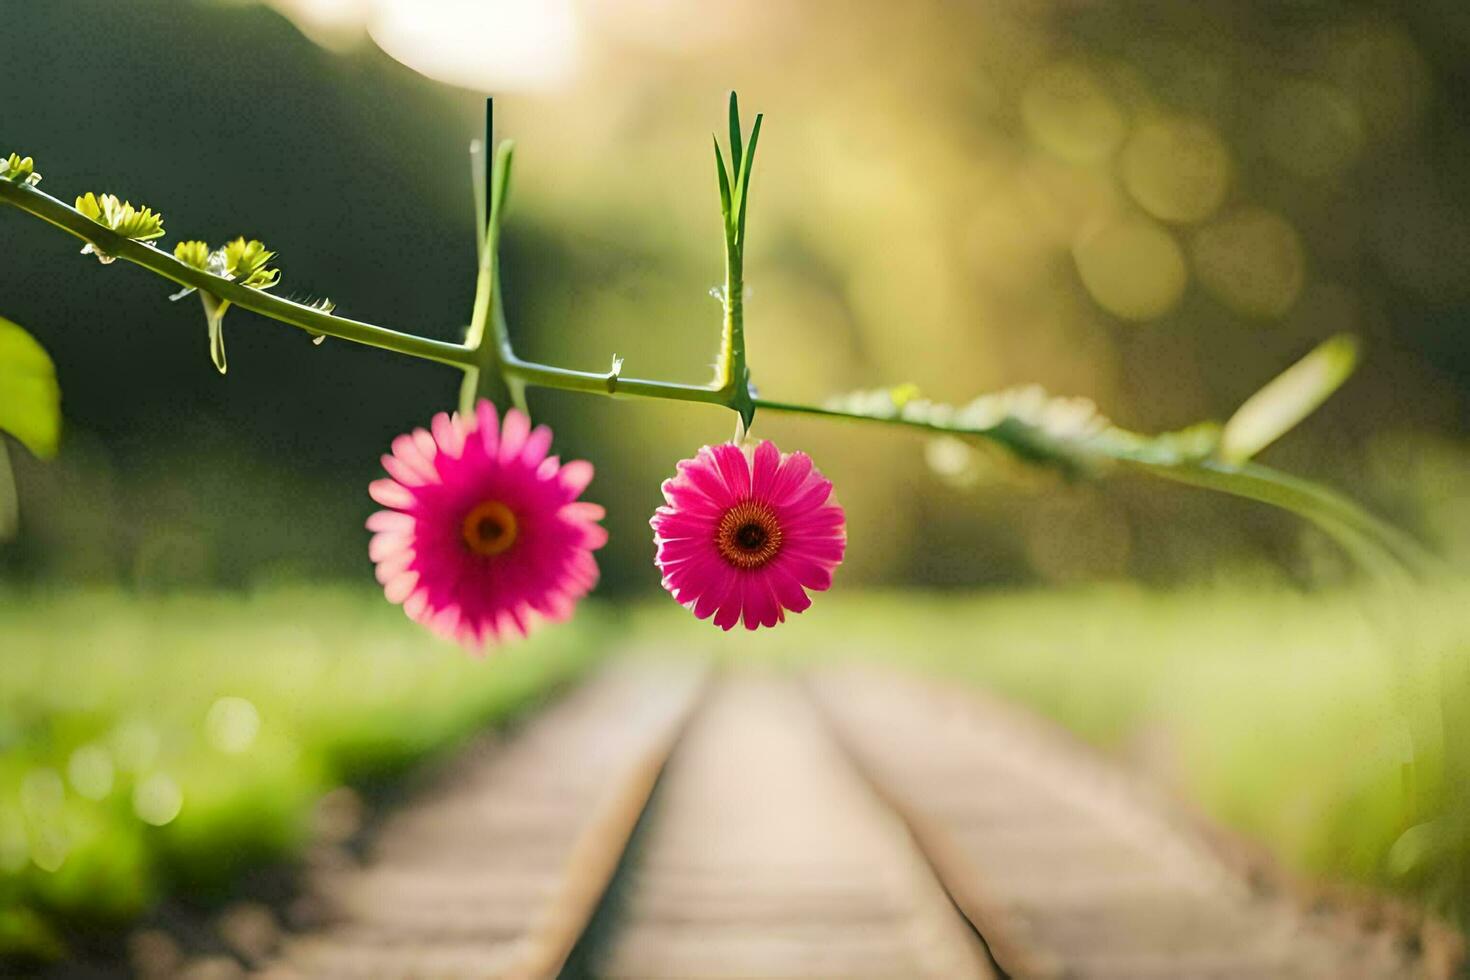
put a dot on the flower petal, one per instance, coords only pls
(425, 444)
(759, 604)
(391, 493)
(389, 543)
(687, 497)
(703, 475)
(795, 468)
(584, 510)
(764, 467)
(727, 606)
(390, 520)
(400, 586)
(513, 434)
(537, 443)
(403, 472)
(575, 476)
(734, 469)
(787, 589)
(448, 434)
(487, 423)
(411, 455)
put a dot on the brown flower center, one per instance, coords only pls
(490, 528)
(748, 535)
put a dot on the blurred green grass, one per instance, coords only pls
(153, 746)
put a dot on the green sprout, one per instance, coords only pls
(732, 374)
(240, 261)
(140, 223)
(245, 262)
(193, 253)
(20, 170)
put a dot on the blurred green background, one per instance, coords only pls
(1157, 206)
(1154, 205)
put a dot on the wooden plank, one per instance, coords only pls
(1068, 866)
(495, 870)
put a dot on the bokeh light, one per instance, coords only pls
(1069, 111)
(1133, 268)
(1176, 168)
(135, 746)
(90, 771)
(1251, 259)
(232, 725)
(157, 799)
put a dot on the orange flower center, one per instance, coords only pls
(748, 535)
(490, 528)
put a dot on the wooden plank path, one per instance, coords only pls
(765, 855)
(857, 823)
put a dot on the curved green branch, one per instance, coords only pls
(307, 318)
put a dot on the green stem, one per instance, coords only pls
(733, 374)
(1393, 553)
(735, 377)
(608, 383)
(308, 318)
(1396, 564)
(486, 336)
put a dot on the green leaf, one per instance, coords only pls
(89, 206)
(500, 178)
(19, 169)
(214, 315)
(245, 262)
(1072, 435)
(139, 224)
(1069, 434)
(479, 184)
(193, 253)
(30, 398)
(1288, 398)
(725, 207)
(734, 133)
(749, 163)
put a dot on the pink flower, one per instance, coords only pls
(485, 536)
(747, 535)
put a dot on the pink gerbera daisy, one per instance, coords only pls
(747, 535)
(485, 536)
